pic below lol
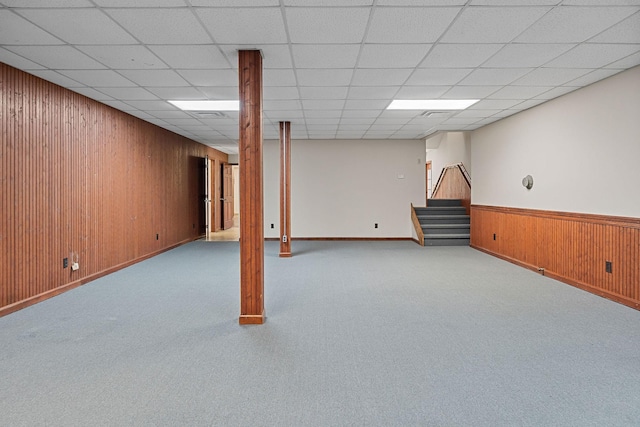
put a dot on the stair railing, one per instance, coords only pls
(460, 167)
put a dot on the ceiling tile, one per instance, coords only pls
(161, 26)
(325, 56)
(326, 77)
(627, 62)
(476, 113)
(244, 25)
(273, 55)
(17, 30)
(421, 2)
(526, 55)
(599, 2)
(377, 76)
(220, 92)
(437, 76)
(98, 78)
(366, 104)
(280, 92)
(210, 77)
(421, 92)
(322, 113)
(276, 77)
(357, 114)
(624, 32)
(234, 3)
(176, 92)
(152, 105)
(470, 92)
(57, 78)
(57, 57)
(409, 25)
(177, 114)
(392, 55)
(47, 3)
(492, 25)
(139, 3)
(135, 57)
(155, 77)
(494, 76)
(128, 93)
(79, 26)
(593, 55)
(550, 76)
(519, 92)
(459, 55)
(322, 104)
(555, 92)
(325, 3)
(119, 105)
(573, 24)
(281, 105)
(495, 104)
(191, 56)
(592, 77)
(323, 92)
(515, 2)
(326, 25)
(372, 92)
(17, 61)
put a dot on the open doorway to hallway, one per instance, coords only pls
(228, 227)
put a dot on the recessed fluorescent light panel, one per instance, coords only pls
(431, 104)
(207, 105)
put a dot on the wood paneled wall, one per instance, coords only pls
(569, 247)
(453, 185)
(83, 181)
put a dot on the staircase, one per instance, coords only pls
(444, 222)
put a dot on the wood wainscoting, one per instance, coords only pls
(82, 181)
(570, 247)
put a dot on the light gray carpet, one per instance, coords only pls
(357, 334)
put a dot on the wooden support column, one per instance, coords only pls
(285, 189)
(251, 216)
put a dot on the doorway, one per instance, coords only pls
(227, 196)
(429, 181)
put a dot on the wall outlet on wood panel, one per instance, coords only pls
(608, 267)
(65, 262)
(157, 236)
(494, 236)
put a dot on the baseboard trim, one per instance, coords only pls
(12, 308)
(252, 319)
(621, 299)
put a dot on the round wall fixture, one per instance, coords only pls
(527, 182)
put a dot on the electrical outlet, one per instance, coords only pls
(608, 267)
(65, 262)
(271, 225)
(157, 237)
(494, 236)
(375, 225)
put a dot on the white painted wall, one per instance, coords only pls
(454, 148)
(582, 149)
(340, 188)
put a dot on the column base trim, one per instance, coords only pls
(252, 319)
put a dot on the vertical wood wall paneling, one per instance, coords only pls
(83, 181)
(285, 189)
(251, 203)
(454, 186)
(569, 247)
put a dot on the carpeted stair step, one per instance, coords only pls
(444, 202)
(462, 239)
(443, 219)
(446, 228)
(442, 210)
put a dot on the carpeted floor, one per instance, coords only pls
(357, 334)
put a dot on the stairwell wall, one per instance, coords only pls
(341, 188)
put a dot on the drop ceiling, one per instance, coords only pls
(331, 67)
